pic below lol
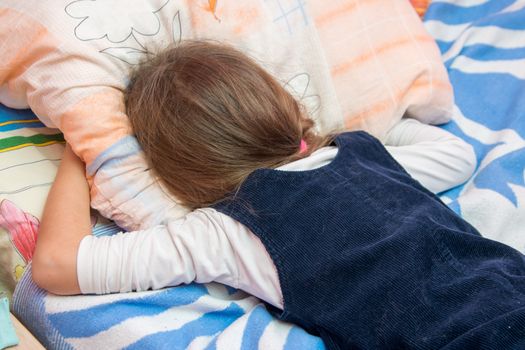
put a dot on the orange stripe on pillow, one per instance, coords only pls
(23, 41)
(375, 110)
(344, 67)
(437, 84)
(340, 11)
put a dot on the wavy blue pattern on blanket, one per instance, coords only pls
(298, 339)
(512, 20)
(490, 98)
(207, 325)
(490, 115)
(257, 322)
(444, 45)
(487, 53)
(455, 14)
(503, 169)
(111, 314)
(503, 98)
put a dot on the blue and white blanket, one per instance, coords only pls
(483, 45)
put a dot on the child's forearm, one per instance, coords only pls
(64, 223)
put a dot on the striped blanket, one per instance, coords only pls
(483, 46)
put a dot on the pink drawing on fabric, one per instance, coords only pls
(22, 228)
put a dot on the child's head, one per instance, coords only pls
(207, 115)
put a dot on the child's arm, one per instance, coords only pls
(203, 246)
(66, 220)
(436, 158)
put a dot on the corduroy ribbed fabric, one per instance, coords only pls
(369, 259)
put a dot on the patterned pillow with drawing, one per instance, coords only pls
(29, 154)
(353, 63)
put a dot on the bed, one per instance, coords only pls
(482, 43)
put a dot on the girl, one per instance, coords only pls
(329, 230)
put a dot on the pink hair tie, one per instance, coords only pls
(303, 147)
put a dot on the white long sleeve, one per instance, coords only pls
(203, 246)
(207, 246)
(433, 156)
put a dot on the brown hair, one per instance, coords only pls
(206, 116)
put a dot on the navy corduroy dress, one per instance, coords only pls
(367, 258)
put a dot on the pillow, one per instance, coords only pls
(29, 156)
(355, 64)
(383, 64)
